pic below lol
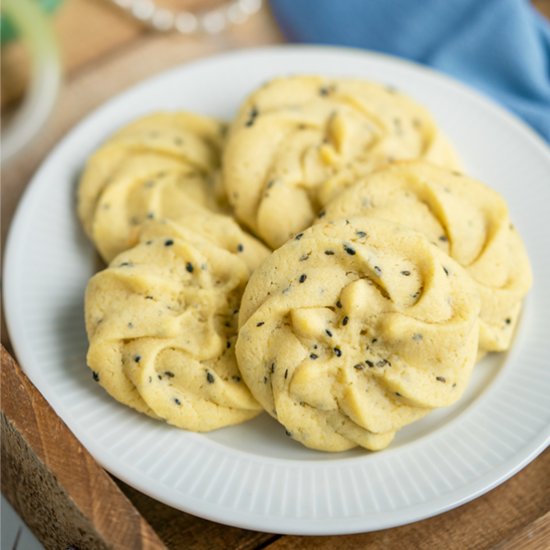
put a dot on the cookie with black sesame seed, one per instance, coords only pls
(161, 323)
(343, 348)
(159, 166)
(466, 219)
(297, 141)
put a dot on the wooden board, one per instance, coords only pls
(54, 483)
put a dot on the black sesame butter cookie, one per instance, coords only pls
(354, 329)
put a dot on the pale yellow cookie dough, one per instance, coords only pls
(298, 141)
(354, 329)
(466, 219)
(162, 325)
(161, 166)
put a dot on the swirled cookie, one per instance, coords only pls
(355, 328)
(162, 324)
(466, 219)
(160, 166)
(298, 141)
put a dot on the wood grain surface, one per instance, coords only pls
(65, 497)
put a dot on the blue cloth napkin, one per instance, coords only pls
(501, 47)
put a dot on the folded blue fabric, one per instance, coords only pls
(501, 47)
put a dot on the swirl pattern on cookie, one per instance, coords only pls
(298, 141)
(162, 325)
(161, 166)
(354, 329)
(466, 219)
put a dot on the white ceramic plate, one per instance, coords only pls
(253, 475)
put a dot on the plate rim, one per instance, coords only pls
(13, 321)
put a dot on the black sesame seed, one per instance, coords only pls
(130, 325)
(321, 214)
(359, 366)
(236, 378)
(240, 247)
(252, 117)
(361, 234)
(370, 364)
(507, 320)
(378, 271)
(381, 363)
(446, 271)
(288, 433)
(177, 401)
(298, 237)
(454, 385)
(328, 333)
(441, 379)
(189, 267)
(406, 273)
(349, 250)
(443, 238)
(286, 374)
(305, 257)
(339, 304)
(228, 344)
(302, 278)
(137, 358)
(126, 264)
(337, 352)
(374, 340)
(345, 320)
(169, 374)
(313, 356)
(168, 242)
(209, 377)
(95, 375)
(324, 91)
(159, 376)
(149, 298)
(398, 394)
(265, 379)
(260, 324)
(329, 252)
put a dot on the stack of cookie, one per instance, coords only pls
(391, 272)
